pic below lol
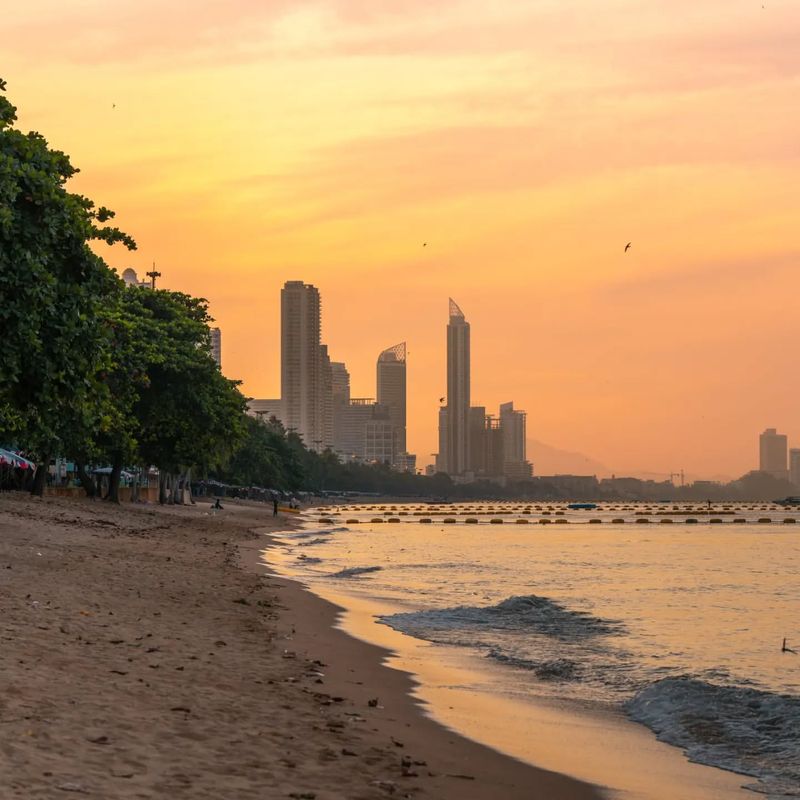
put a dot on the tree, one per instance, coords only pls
(52, 288)
(189, 415)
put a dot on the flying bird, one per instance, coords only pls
(627, 247)
(441, 399)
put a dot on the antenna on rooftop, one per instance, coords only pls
(153, 274)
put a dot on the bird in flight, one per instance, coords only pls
(627, 247)
(424, 244)
(441, 399)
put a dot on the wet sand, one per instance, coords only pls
(146, 653)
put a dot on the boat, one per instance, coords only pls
(582, 506)
(788, 501)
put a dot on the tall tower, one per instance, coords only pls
(391, 383)
(457, 419)
(302, 362)
(773, 453)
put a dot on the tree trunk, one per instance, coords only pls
(113, 479)
(135, 487)
(40, 478)
(86, 479)
(162, 487)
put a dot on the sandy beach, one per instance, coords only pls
(147, 653)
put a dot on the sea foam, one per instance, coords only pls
(745, 730)
(522, 613)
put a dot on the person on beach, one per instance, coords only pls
(274, 506)
(217, 504)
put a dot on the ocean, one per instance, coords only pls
(674, 616)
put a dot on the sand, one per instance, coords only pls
(147, 653)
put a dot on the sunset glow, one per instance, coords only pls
(246, 143)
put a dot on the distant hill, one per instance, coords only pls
(549, 460)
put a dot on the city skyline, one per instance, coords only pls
(503, 155)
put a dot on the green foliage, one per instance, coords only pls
(91, 369)
(52, 291)
(189, 415)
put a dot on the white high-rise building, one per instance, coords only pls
(302, 364)
(458, 392)
(773, 454)
(391, 391)
(513, 426)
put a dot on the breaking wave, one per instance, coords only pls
(745, 730)
(525, 613)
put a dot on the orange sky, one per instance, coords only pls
(255, 141)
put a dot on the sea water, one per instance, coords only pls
(679, 624)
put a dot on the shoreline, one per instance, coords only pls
(142, 661)
(602, 748)
(454, 765)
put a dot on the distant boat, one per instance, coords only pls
(788, 501)
(582, 506)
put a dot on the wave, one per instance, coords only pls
(749, 731)
(352, 572)
(526, 613)
(555, 669)
(311, 542)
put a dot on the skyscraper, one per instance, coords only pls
(391, 391)
(772, 453)
(340, 383)
(513, 425)
(302, 362)
(794, 466)
(216, 346)
(477, 440)
(458, 392)
(325, 440)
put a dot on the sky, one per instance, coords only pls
(244, 143)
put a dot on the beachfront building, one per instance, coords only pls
(477, 440)
(456, 420)
(340, 383)
(379, 437)
(794, 466)
(130, 278)
(773, 454)
(513, 425)
(391, 393)
(304, 364)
